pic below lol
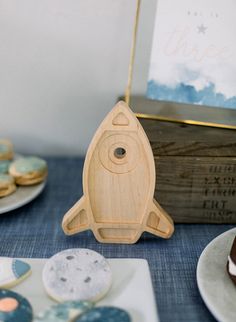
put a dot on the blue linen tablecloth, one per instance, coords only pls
(35, 231)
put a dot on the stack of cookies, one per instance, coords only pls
(22, 171)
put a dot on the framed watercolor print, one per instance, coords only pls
(190, 63)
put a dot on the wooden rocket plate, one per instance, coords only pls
(215, 286)
(118, 184)
(131, 288)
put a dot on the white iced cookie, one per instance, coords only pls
(77, 274)
(12, 271)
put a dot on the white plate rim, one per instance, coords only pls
(217, 315)
(34, 193)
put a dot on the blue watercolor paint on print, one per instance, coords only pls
(188, 94)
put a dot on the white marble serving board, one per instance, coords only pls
(215, 286)
(131, 289)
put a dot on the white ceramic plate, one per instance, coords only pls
(20, 197)
(131, 289)
(215, 286)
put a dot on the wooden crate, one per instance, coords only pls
(195, 171)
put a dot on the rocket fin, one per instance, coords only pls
(76, 219)
(158, 221)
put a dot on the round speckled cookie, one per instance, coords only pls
(7, 185)
(64, 312)
(104, 313)
(12, 271)
(28, 170)
(77, 274)
(4, 166)
(6, 150)
(14, 307)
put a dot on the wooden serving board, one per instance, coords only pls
(118, 184)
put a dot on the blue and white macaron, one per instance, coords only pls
(29, 170)
(64, 312)
(14, 307)
(7, 185)
(105, 313)
(12, 271)
(4, 166)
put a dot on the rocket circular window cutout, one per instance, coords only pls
(120, 152)
(119, 184)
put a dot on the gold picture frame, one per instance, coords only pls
(138, 76)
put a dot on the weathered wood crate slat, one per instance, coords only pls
(195, 171)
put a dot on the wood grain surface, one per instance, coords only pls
(195, 171)
(173, 139)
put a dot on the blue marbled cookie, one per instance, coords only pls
(105, 314)
(22, 312)
(64, 312)
(4, 166)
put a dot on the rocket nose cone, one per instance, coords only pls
(20, 268)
